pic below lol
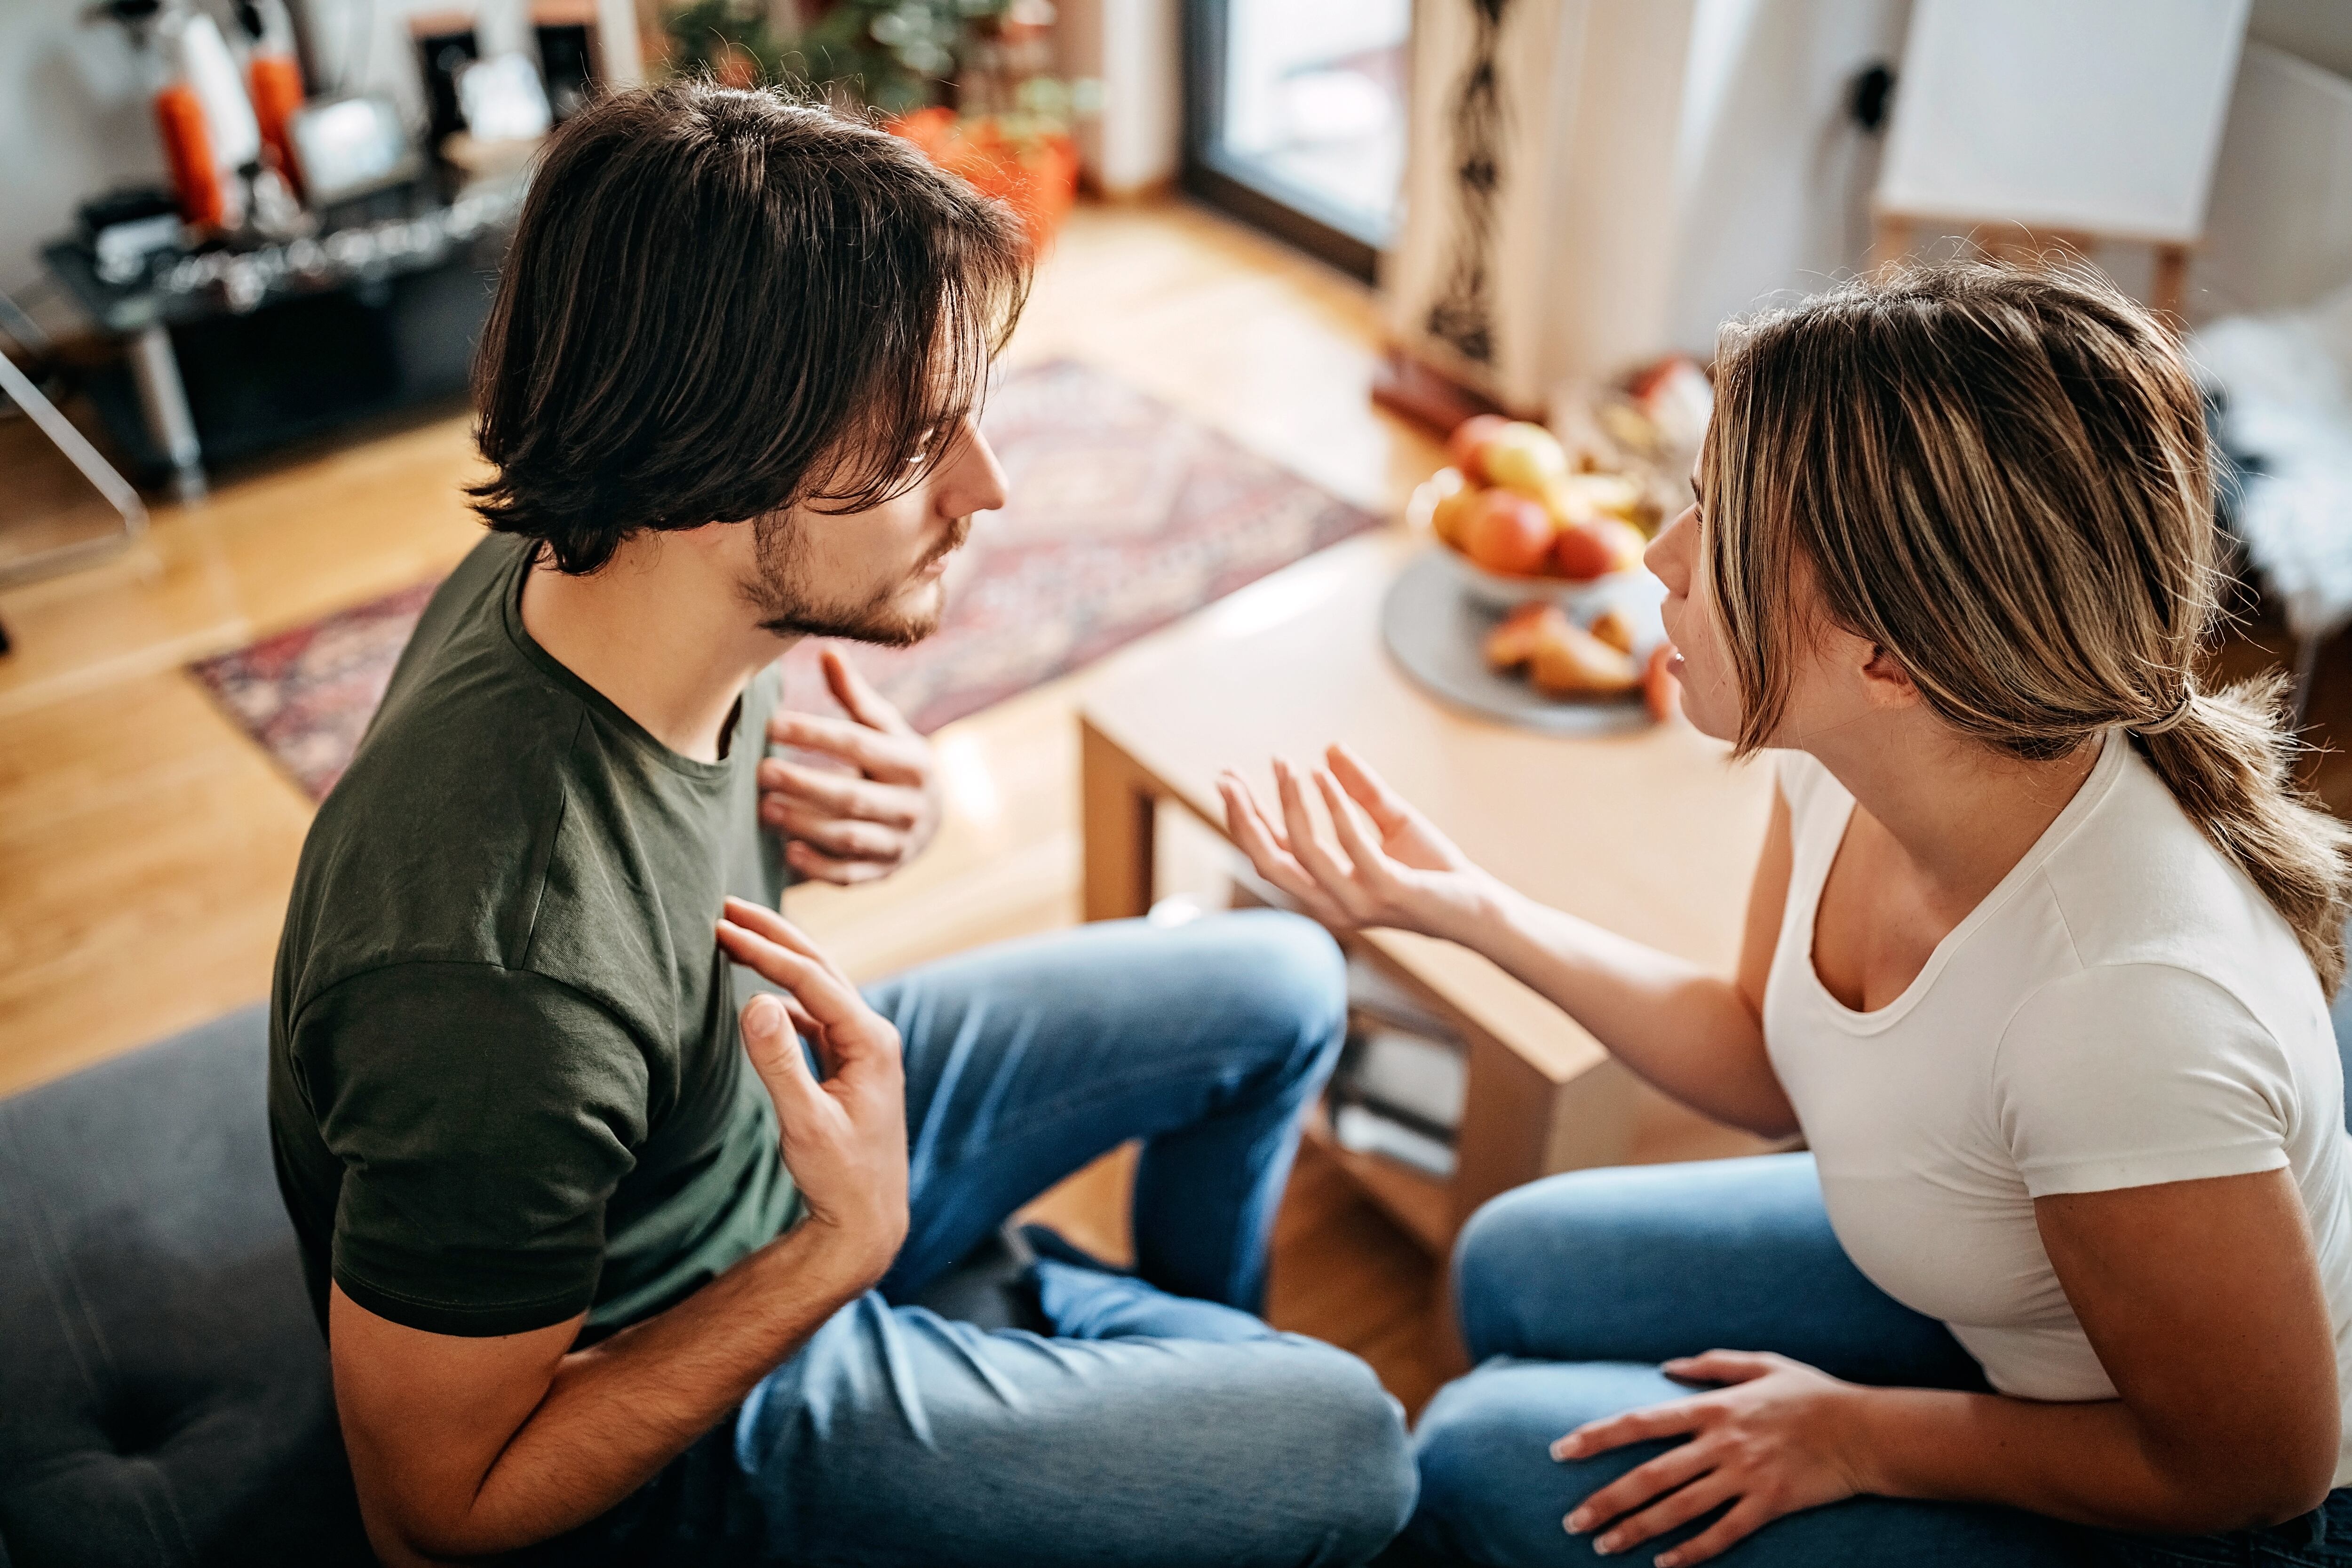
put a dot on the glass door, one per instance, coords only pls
(1294, 118)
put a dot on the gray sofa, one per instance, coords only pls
(164, 1394)
(163, 1391)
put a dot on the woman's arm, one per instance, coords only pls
(1356, 854)
(2203, 1302)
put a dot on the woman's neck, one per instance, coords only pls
(1961, 814)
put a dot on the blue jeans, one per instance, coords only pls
(1163, 1423)
(1570, 1291)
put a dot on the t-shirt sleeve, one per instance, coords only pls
(483, 1116)
(2128, 1075)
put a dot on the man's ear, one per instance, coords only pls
(1884, 681)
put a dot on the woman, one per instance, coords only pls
(2036, 959)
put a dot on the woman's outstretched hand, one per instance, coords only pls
(1770, 1441)
(1353, 853)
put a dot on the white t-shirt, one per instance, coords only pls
(2124, 1009)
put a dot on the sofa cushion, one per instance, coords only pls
(165, 1396)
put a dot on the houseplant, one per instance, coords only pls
(970, 81)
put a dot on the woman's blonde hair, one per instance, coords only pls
(2003, 479)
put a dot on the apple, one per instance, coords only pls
(1598, 547)
(1662, 690)
(1524, 457)
(1455, 497)
(1508, 532)
(1469, 440)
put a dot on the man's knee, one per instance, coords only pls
(1337, 1437)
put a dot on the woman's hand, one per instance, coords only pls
(1388, 866)
(1771, 1441)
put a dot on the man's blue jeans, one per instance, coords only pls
(1163, 1423)
(1571, 1289)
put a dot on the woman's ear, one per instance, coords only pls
(1884, 681)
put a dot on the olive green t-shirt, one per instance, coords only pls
(506, 1085)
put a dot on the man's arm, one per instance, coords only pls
(464, 1447)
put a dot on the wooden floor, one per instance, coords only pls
(146, 846)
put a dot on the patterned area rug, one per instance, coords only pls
(1124, 516)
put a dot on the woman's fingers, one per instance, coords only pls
(1361, 852)
(1641, 1484)
(1668, 1420)
(1720, 1366)
(1254, 837)
(1388, 809)
(1669, 1512)
(1306, 841)
(1746, 1517)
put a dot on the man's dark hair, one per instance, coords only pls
(718, 304)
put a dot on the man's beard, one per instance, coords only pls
(790, 604)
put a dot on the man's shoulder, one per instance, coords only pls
(437, 843)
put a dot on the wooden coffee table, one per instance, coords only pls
(1653, 835)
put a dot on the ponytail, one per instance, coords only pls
(2227, 758)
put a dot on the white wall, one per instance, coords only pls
(1773, 179)
(1135, 48)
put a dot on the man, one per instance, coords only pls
(603, 1264)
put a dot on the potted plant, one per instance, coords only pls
(969, 81)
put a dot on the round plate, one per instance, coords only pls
(1439, 634)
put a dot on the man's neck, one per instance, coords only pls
(665, 636)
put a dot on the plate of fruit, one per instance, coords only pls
(1532, 604)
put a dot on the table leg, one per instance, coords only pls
(1120, 806)
(164, 401)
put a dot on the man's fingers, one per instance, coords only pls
(774, 1052)
(841, 838)
(815, 982)
(771, 924)
(877, 753)
(814, 863)
(864, 703)
(839, 795)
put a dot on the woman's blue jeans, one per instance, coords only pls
(1572, 1290)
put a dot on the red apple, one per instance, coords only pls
(1597, 547)
(1508, 532)
(1469, 440)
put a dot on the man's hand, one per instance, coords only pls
(844, 1140)
(1770, 1442)
(855, 826)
